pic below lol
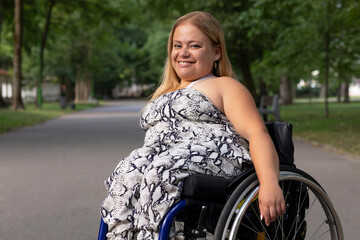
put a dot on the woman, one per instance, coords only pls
(200, 120)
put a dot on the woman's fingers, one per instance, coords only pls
(270, 213)
(283, 207)
(271, 203)
(265, 214)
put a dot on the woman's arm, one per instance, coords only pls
(240, 108)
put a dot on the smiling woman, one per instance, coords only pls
(193, 54)
(199, 121)
(210, 28)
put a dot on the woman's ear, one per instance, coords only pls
(217, 52)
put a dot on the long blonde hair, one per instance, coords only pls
(211, 27)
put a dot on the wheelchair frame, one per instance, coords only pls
(238, 196)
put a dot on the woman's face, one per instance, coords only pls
(193, 54)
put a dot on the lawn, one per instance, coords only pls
(10, 120)
(341, 131)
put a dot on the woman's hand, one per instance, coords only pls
(271, 202)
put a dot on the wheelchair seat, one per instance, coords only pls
(206, 188)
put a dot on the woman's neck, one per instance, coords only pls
(184, 83)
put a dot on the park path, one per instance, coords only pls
(51, 174)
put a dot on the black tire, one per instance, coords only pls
(310, 213)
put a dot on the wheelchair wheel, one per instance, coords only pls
(309, 211)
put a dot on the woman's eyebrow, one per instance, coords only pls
(191, 41)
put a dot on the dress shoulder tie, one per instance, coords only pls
(200, 79)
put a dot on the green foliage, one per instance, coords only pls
(6, 34)
(115, 42)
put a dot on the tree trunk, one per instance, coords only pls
(41, 53)
(327, 66)
(69, 90)
(338, 94)
(83, 85)
(82, 90)
(286, 91)
(246, 74)
(345, 92)
(17, 100)
(327, 59)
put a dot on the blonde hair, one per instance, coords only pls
(210, 26)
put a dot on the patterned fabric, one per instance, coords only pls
(185, 134)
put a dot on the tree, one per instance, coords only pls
(17, 100)
(42, 43)
(109, 43)
(346, 45)
(334, 46)
(305, 42)
(327, 55)
(245, 41)
(89, 33)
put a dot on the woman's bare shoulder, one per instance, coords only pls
(226, 84)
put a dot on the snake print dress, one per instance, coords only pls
(185, 134)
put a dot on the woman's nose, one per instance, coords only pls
(184, 52)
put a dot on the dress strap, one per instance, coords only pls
(200, 79)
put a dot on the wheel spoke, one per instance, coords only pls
(280, 226)
(322, 234)
(298, 211)
(256, 211)
(297, 214)
(317, 231)
(254, 230)
(306, 214)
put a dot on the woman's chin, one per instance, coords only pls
(189, 76)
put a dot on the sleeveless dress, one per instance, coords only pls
(185, 134)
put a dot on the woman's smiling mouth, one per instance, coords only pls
(184, 63)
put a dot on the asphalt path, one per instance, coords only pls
(52, 174)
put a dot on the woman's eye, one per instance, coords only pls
(195, 46)
(177, 46)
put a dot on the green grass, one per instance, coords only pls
(10, 120)
(341, 131)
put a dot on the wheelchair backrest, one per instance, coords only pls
(281, 134)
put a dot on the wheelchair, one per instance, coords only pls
(218, 208)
